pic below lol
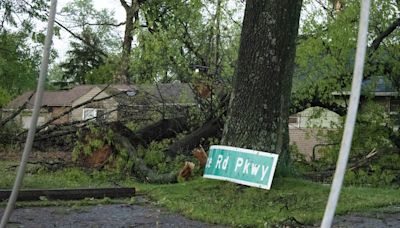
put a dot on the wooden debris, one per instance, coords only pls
(200, 155)
(98, 158)
(187, 170)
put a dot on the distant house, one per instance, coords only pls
(305, 127)
(383, 93)
(118, 102)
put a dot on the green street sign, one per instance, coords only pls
(242, 166)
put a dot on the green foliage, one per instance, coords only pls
(154, 157)
(18, 65)
(325, 59)
(372, 134)
(13, 12)
(181, 37)
(326, 49)
(122, 161)
(103, 73)
(86, 61)
(383, 172)
(93, 139)
(82, 58)
(4, 97)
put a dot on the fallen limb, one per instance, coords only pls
(184, 146)
(166, 128)
(141, 171)
(15, 113)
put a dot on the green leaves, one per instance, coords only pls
(18, 64)
(327, 44)
(89, 53)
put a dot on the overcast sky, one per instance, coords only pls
(61, 43)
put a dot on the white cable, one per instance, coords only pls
(36, 110)
(351, 116)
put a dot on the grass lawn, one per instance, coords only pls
(37, 177)
(290, 199)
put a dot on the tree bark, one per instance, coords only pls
(122, 75)
(193, 140)
(259, 106)
(162, 129)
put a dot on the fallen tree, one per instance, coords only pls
(184, 146)
(125, 141)
(139, 169)
(165, 128)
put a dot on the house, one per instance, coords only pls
(111, 103)
(305, 127)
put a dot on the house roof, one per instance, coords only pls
(147, 94)
(51, 98)
(132, 94)
(378, 85)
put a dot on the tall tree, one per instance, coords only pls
(96, 39)
(82, 59)
(259, 106)
(19, 63)
(132, 16)
(15, 12)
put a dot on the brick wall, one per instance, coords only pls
(305, 139)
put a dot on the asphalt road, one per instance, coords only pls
(147, 215)
(99, 216)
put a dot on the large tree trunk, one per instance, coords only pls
(259, 106)
(122, 75)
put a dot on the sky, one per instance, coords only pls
(61, 43)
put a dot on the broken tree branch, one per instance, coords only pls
(91, 100)
(18, 111)
(184, 146)
(378, 40)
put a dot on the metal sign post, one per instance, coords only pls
(351, 116)
(36, 110)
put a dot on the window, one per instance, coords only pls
(294, 121)
(394, 106)
(90, 113)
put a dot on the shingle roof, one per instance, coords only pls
(155, 94)
(378, 84)
(140, 95)
(51, 98)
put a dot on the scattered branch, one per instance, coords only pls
(92, 100)
(81, 39)
(106, 24)
(14, 114)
